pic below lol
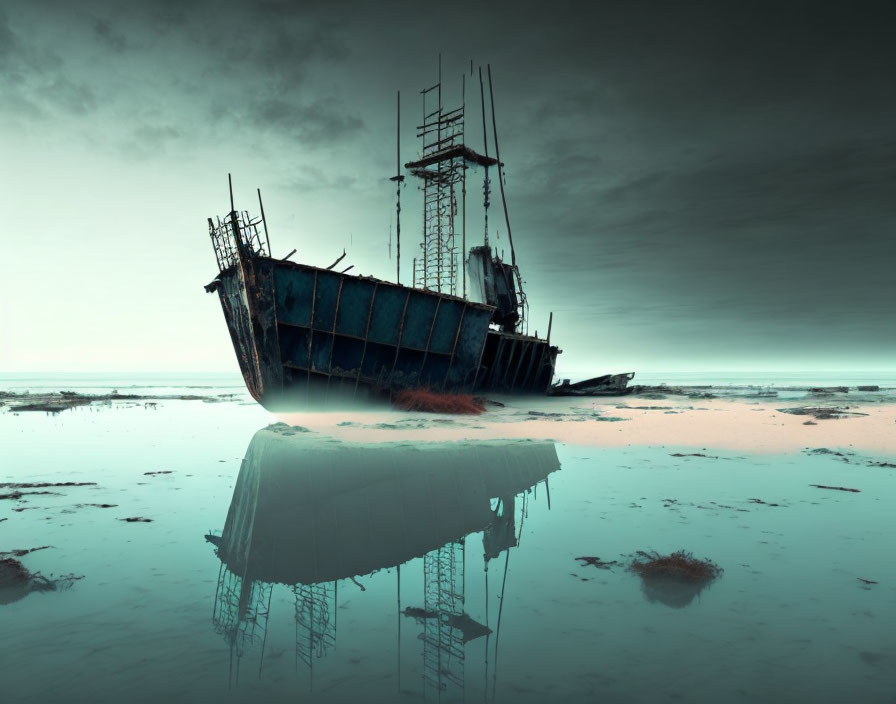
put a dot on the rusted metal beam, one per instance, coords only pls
(311, 328)
(527, 379)
(458, 152)
(546, 348)
(404, 312)
(514, 346)
(272, 273)
(265, 223)
(338, 260)
(366, 338)
(496, 362)
(454, 346)
(432, 327)
(479, 362)
(528, 347)
(333, 332)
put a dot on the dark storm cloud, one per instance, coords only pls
(284, 54)
(274, 64)
(716, 164)
(228, 61)
(321, 121)
(109, 36)
(310, 179)
(669, 165)
(7, 40)
(148, 141)
(35, 81)
(316, 124)
(69, 96)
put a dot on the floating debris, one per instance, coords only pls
(17, 582)
(835, 488)
(56, 402)
(161, 471)
(285, 429)
(676, 579)
(826, 451)
(821, 413)
(136, 519)
(42, 485)
(597, 562)
(469, 628)
(760, 501)
(606, 385)
(22, 553)
(866, 581)
(17, 495)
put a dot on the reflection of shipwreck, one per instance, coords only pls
(310, 516)
(460, 326)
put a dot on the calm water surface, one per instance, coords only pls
(285, 566)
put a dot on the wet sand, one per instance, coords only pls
(720, 423)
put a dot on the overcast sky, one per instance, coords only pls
(690, 185)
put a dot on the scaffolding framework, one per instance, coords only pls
(443, 644)
(237, 232)
(315, 620)
(240, 615)
(441, 168)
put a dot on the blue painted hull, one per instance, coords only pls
(301, 333)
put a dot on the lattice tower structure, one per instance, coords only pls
(315, 612)
(443, 644)
(441, 168)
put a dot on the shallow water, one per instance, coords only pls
(316, 548)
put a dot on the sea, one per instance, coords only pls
(203, 551)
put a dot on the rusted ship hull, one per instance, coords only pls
(304, 333)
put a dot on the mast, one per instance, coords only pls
(442, 168)
(463, 196)
(485, 185)
(398, 178)
(500, 167)
(523, 302)
(264, 222)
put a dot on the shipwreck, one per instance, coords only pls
(459, 326)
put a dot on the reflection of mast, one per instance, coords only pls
(443, 598)
(315, 621)
(241, 615)
(500, 536)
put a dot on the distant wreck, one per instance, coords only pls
(606, 385)
(460, 326)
